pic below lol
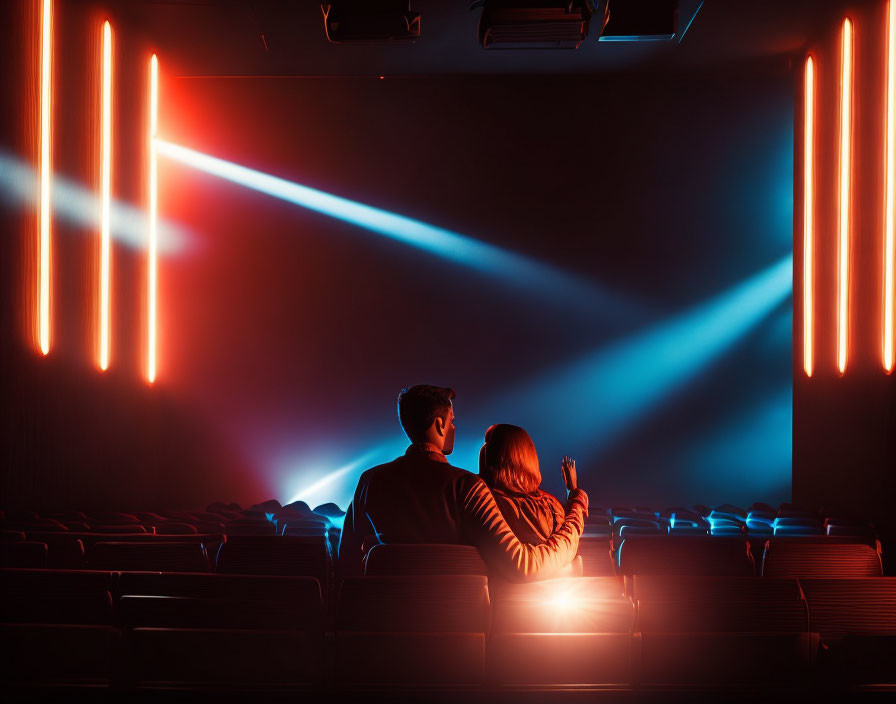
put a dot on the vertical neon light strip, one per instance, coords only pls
(153, 217)
(44, 269)
(808, 218)
(843, 227)
(890, 200)
(106, 195)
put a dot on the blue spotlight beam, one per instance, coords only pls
(589, 402)
(541, 279)
(81, 206)
(325, 488)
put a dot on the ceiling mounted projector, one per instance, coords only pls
(370, 22)
(535, 24)
(642, 20)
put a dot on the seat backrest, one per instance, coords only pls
(18, 582)
(158, 555)
(682, 604)
(420, 603)
(274, 555)
(793, 558)
(26, 554)
(686, 555)
(150, 611)
(423, 559)
(220, 586)
(842, 606)
(597, 559)
(566, 605)
(248, 526)
(175, 528)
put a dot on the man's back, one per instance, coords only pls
(416, 498)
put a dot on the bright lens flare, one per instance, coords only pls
(843, 226)
(105, 195)
(890, 204)
(153, 219)
(808, 211)
(44, 271)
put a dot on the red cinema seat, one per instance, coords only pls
(423, 559)
(274, 555)
(157, 555)
(856, 619)
(56, 596)
(412, 631)
(574, 631)
(597, 557)
(686, 555)
(27, 554)
(796, 558)
(721, 631)
(175, 528)
(217, 586)
(224, 660)
(52, 656)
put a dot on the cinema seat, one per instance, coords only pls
(856, 619)
(156, 555)
(796, 558)
(685, 555)
(12, 536)
(219, 660)
(53, 656)
(721, 631)
(249, 526)
(220, 586)
(304, 528)
(56, 597)
(141, 611)
(412, 630)
(117, 528)
(174, 528)
(274, 555)
(423, 559)
(27, 554)
(561, 632)
(597, 558)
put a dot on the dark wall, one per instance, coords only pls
(844, 442)
(655, 201)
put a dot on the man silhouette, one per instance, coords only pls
(420, 498)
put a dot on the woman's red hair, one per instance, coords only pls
(508, 460)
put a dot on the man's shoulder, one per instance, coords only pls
(403, 462)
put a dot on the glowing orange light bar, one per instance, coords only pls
(844, 186)
(153, 217)
(890, 200)
(44, 270)
(105, 195)
(808, 217)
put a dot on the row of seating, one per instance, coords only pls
(312, 556)
(189, 631)
(286, 555)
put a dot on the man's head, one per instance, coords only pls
(427, 415)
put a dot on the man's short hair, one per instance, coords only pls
(420, 405)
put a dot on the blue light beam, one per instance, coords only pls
(540, 279)
(589, 402)
(80, 206)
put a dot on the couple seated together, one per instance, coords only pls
(523, 533)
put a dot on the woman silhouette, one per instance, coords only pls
(508, 464)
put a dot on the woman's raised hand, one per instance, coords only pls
(568, 469)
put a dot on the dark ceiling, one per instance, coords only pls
(225, 38)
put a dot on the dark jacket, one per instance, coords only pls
(420, 498)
